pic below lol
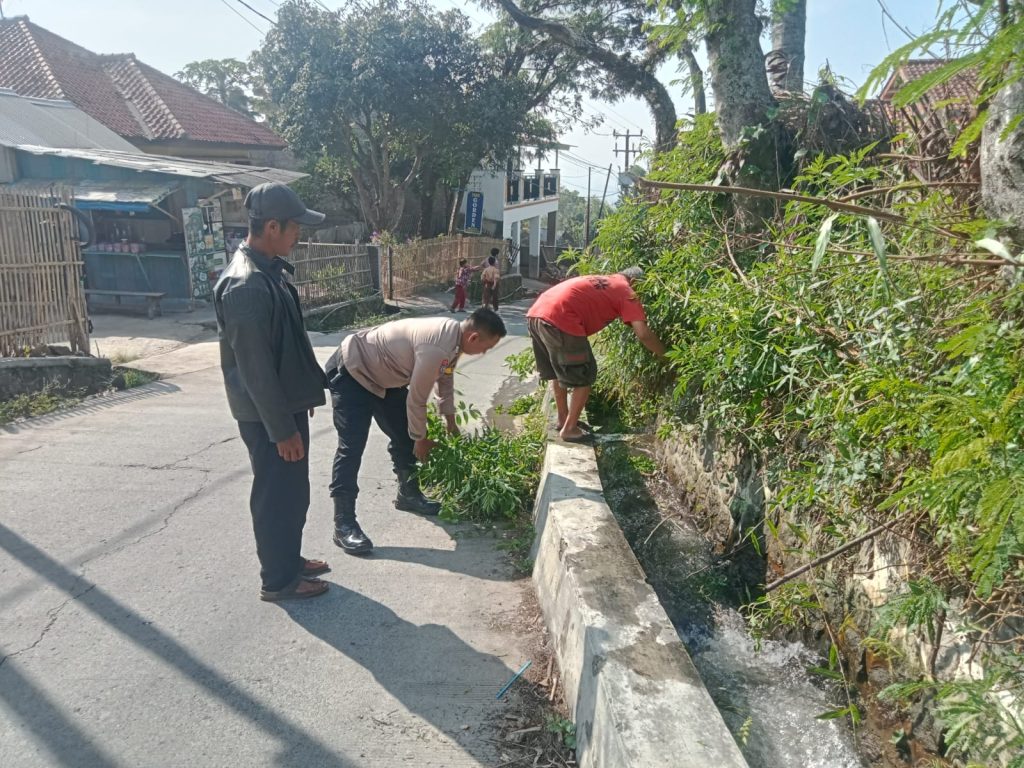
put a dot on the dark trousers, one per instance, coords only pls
(354, 408)
(278, 502)
(460, 297)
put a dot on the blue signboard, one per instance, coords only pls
(474, 212)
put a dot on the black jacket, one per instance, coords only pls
(270, 372)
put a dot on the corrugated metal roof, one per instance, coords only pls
(226, 173)
(52, 123)
(99, 192)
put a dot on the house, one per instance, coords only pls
(154, 112)
(158, 224)
(517, 205)
(945, 108)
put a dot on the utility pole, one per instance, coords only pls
(586, 224)
(628, 149)
(605, 193)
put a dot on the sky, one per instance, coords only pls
(850, 35)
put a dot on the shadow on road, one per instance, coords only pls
(68, 745)
(92, 405)
(428, 668)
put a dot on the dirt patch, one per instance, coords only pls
(535, 729)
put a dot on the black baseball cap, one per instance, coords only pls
(275, 200)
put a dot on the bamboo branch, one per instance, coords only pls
(834, 205)
(829, 556)
(907, 185)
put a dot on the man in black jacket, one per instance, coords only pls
(272, 380)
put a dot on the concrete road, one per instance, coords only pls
(130, 629)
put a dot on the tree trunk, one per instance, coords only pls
(759, 151)
(700, 102)
(738, 78)
(789, 32)
(1002, 161)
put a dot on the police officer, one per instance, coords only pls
(387, 374)
(273, 381)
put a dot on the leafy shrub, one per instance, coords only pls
(872, 375)
(488, 475)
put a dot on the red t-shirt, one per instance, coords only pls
(582, 306)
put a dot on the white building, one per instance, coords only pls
(518, 205)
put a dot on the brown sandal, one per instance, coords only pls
(314, 567)
(297, 590)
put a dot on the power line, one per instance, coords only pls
(601, 113)
(267, 18)
(580, 161)
(241, 16)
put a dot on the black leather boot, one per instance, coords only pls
(411, 498)
(347, 533)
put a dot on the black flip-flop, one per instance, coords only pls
(290, 592)
(586, 438)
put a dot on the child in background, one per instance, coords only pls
(461, 281)
(490, 279)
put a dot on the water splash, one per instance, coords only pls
(768, 693)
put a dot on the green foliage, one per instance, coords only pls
(132, 377)
(523, 405)
(390, 99)
(979, 714)
(522, 364)
(488, 475)
(565, 729)
(866, 384)
(229, 81)
(917, 607)
(35, 404)
(572, 213)
(980, 43)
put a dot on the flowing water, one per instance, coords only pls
(769, 699)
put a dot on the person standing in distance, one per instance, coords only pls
(386, 374)
(560, 321)
(273, 383)
(490, 280)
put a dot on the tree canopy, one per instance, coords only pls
(226, 80)
(400, 96)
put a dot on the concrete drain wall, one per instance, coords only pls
(637, 699)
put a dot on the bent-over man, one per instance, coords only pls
(387, 374)
(560, 321)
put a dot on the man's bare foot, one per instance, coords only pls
(573, 434)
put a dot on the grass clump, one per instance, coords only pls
(35, 404)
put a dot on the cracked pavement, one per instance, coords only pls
(130, 629)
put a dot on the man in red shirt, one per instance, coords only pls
(561, 320)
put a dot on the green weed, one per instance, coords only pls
(36, 404)
(488, 475)
(565, 728)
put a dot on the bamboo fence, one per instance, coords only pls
(425, 265)
(332, 273)
(41, 296)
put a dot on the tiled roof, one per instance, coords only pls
(129, 97)
(963, 86)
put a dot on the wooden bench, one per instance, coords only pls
(152, 299)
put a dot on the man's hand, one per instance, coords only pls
(422, 448)
(292, 449)
(453, 425)
(648, 339)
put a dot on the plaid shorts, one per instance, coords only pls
(561, 356)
